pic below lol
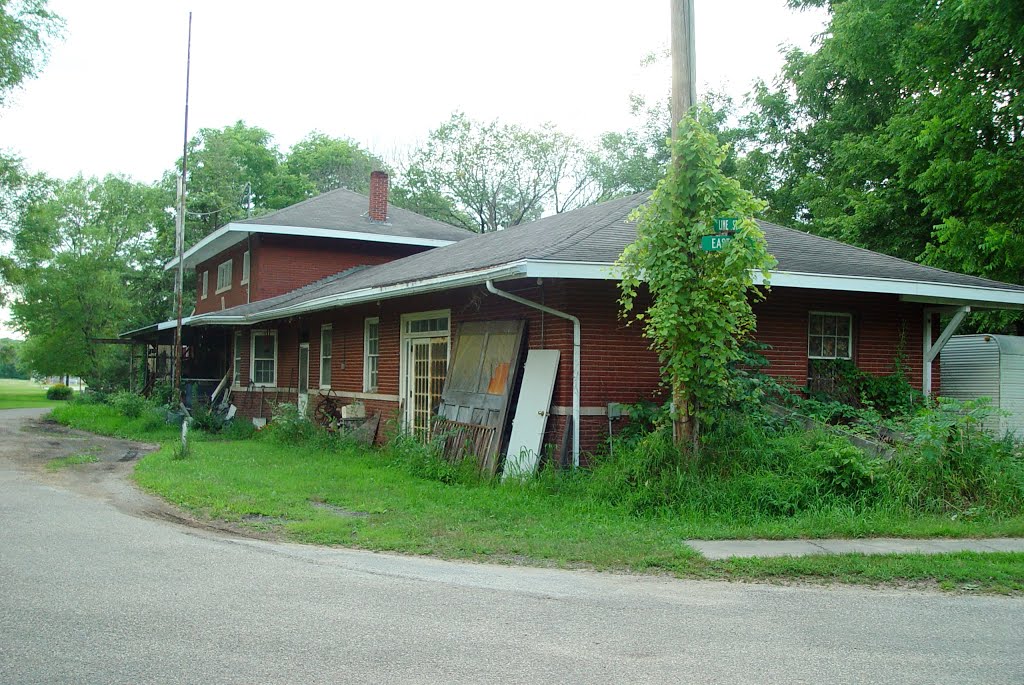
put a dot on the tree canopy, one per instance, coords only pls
(27, 28)
(902, 132)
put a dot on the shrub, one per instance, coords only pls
(129, 404)
(238, 429)
(955, 463)
(206, 419)
(289, 427)
(58, 391)
(91, 397)
(424, 460)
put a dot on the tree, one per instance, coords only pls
(26, 29)
(232, 171)
(700, 309)
(10, 360)
(634, 160)
(498, 175)
(327, 163)
(81, 254)
(902, 132)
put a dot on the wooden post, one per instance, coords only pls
(684, 97)
(684, 62)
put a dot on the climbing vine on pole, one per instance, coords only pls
(700, 301)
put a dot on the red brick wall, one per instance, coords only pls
(284, 263)
(617, 364)
(279, 264)
(235, 296)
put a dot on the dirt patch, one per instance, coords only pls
(28, 441)
(338, 511)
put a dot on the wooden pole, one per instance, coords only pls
(684, 61)
(684, 97)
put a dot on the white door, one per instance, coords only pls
(303, 378)
(427, 366)
(531, 417)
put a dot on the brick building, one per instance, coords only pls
(379, 321)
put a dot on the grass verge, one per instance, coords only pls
(386, 500)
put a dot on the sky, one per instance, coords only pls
(111, 98)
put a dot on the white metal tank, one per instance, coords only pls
(991, 366)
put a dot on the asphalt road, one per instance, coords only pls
(92, 594)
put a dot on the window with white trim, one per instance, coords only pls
(326, 340)
(829, 335)
(245, 268)
(206, 284)
(236, 376)
(371, 353)
(224, 276)
(263, 362)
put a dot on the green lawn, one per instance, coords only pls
(369, 499)
(18, 394)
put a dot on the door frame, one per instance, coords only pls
(302, 398)
(405, 349)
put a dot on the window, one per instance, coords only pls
(236, 377)
(264, 357)
(433, 324)
(206, 284)
(829, 335)
(224, 276)
(371, 354)
(326, 339)
(245, 267)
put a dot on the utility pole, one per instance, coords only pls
(179, 229)
(684, 97)
(684, 61)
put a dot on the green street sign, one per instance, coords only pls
(726, 224)
(711, 243)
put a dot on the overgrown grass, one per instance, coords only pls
(19, 394)
(149, 425)
(74, 460)
(628, 513)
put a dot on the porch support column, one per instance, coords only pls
(576, 344)
(931, 351)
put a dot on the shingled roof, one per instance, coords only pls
(340, 214)
(345, 210)
(585, 243)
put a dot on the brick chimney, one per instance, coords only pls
(378, 196)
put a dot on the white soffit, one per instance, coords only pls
(234, 233)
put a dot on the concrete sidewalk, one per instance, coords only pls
(725, 549)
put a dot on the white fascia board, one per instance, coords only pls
(588, 271)
(501, 272)
(908, 290)
(334, 233)
(216, 242)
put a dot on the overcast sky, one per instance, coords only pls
(384, 73)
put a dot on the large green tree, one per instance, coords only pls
(233, 171)
(81, 259)
(902, 131)
(327, 163)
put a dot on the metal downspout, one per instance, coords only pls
(575, 360)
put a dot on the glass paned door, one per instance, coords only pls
(303, 400)
(428, 363)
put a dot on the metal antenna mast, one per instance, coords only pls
(179, 227)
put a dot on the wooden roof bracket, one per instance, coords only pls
(931, 350)
(575, 360)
